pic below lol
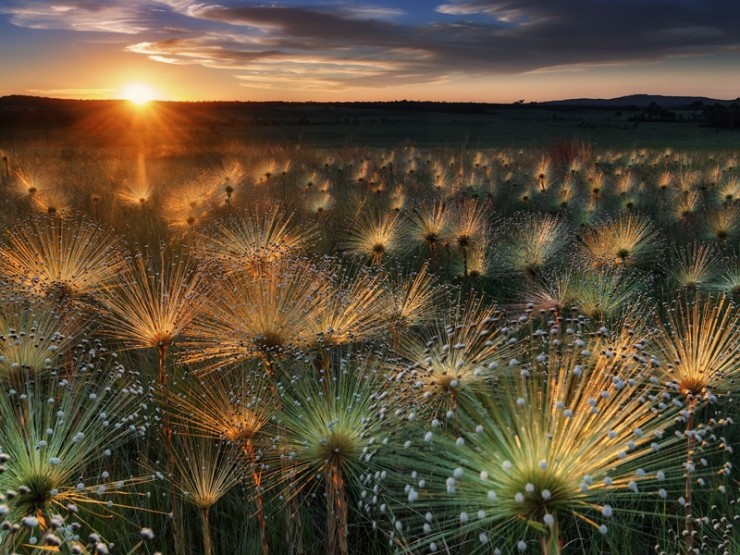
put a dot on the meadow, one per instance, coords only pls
(297, 346)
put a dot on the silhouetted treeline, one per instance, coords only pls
(722, 116)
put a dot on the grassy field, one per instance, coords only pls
(426, 125)
(298, 331)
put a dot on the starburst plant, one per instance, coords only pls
(412, 300)
(697, 346)
(577, 434)
(31, 180)
(158, 296)
(334, 428)
(729, 278)
(60, 430)
(63, 260)
(33, 338)
(532, 243)
(455, 356)
(257, 315)
(723, 225)
(52, 202)
(696, 352)
(429, 227)
(605, 294)
(627, 240)
(188, 204)
(374, 236)
(243, 242)
(205, 470)
(692, 266)
(352, 310)
(235, 406)
(468, 229)
(550, 293)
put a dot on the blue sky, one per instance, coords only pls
(468, 50)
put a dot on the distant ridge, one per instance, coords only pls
(637, 100)
(634, 101)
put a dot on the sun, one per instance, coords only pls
(138, 93)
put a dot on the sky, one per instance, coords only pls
(335, 50)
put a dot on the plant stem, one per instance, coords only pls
(552, 544)
(206, 528)
(169, 455)
(257, 480)
(336, 509)
(690, 444)
(293, 524)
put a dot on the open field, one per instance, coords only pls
(378, 125)
(368, 331)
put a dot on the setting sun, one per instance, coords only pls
(138, 93)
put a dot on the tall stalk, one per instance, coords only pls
(206, 529)
(169, 454)
(248, 449)
(336, 511)
(551, 543)
(690, 445)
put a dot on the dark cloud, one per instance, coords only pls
(340, 44)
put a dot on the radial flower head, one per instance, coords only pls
(692, 266)
(335, 429)
(205, 469)
(188, 204)
(31, 180)
(628, 240)
(374, 236)
(257, 315)
(697, 346)
(53, 202)
(551, 292)
(455, 356)
(723, 225)
(729, 278)
(730, 190)
(60, 431)
(411, 300)
(576, 434)
(158, 297)
(531, 243)
(338, 421)
(605, 294)
(33, 337)
(430, 225)
(543, 173)
(318, 202)
(244, 242)
(61, 260)
(353, 308)
(468, 224)
(234, 405)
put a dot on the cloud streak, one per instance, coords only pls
(341, 45)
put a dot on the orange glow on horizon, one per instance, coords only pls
(139, 93)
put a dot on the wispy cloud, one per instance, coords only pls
(334, 45)
(80, 15)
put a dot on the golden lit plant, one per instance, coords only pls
(60, 430)
(575, 433)
(66, 261)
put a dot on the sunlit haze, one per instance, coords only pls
(138, 93)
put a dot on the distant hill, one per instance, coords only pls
(637, 101)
